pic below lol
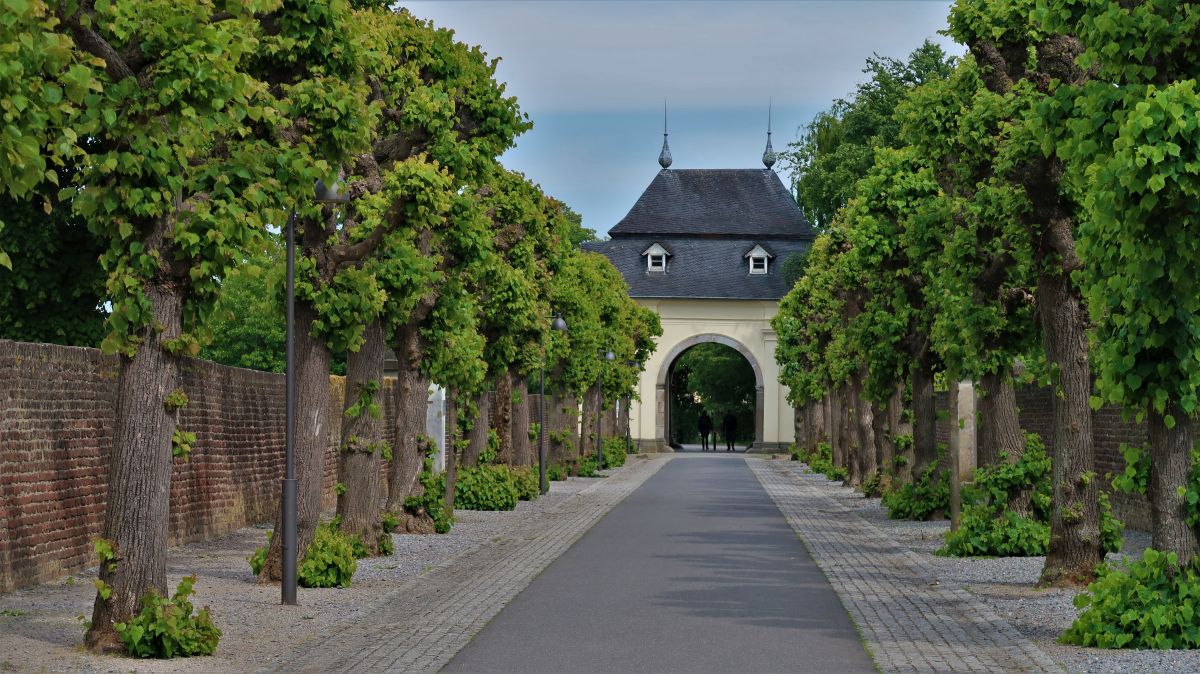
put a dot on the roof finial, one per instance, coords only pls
(769, 157)
(664, 157)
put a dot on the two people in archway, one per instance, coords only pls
(729, 426)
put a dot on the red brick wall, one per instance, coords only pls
(56, 421)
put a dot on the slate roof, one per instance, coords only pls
(741, 203)
(700, 268)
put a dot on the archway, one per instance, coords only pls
(662, 405)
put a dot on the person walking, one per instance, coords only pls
(706, 429)
(730, 428)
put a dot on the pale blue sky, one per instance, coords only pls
(593, 76)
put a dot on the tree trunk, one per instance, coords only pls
(477, 437)
(587, 428)
(362, 437)
(924, 421)
(999, 423)
(868, 463)
(137, 513)
(855, 463)
(312, 403)
(412, 401)
(899, 427)
(1074, 550)
(522, 447)
(885, 449)
(799, 428)
(1169, 466)
(562, 419)
(502, 416)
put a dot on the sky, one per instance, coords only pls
(593, 77)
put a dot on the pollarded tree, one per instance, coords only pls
(1017, 57)
(982, 279)
(179, 178)
(1130, 135)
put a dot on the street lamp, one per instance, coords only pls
(609, 356)
(325, 195)
(561, 326)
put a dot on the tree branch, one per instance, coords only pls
(91, 42)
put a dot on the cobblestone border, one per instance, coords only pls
(911, 620)
(423, 623)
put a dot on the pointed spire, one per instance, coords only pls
(769, 157)
(664, 157)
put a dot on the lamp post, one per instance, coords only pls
(609, 356)
(560, 325)
(322, 194)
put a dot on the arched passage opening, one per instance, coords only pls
(721, 378)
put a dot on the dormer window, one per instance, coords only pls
(760, 259)
(656, 258)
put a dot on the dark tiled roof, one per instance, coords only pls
(701, 268)
(744, 203)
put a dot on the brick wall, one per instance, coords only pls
(56, 425)
(1109, 431)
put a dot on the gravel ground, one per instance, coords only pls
(41, 628)
(1006, 585)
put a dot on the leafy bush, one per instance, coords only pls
(386, 545)
(557, 472)
(389, 521)
(432, 498)
(587, 466)
(920, 500)
(1136, 476)
(794, 452)
(820, 460)
(990, 528)
(873, 487)
(167, 628)
(526, 481)
(1148, 603)
(614, 452)
(486, 487)
(258, 558)
(329, 560)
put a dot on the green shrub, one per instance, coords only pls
(820, 460)
(920, 500)
(526, 481)
(387, 546)
(389, 521)
(486, 487)
(329, 560)
(167, 628)
(1148, 603)
(587, 466)
(873, 486)
(557, 472)
(614, 452)
(432, 499)
(258, 558)
(794, 452)
(989, 528)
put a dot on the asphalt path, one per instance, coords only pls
(696, 571)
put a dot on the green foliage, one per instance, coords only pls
(526, 481)
(366, 401)
(486, 487)
(1136, 476)
(389, 521)
(181, 443)
(613, 452)
(557, 472)
(387, 546)
(258, 558)
(587, 467)
(820, 460)
(927, 496)
(176, 400)
(433, 491)
(1146, 603)
(168, 628)
(329, 561)
(874, 486)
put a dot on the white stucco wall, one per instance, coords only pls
(746, 322)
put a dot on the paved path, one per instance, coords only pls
(424, 622)
(696, 571)
(912, 620)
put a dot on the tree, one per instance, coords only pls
(722, 380)
(54, 291)
(1017, 58)
(1128, 131)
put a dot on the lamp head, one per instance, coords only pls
(609, 355)
(559, 324)
(329, 194)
